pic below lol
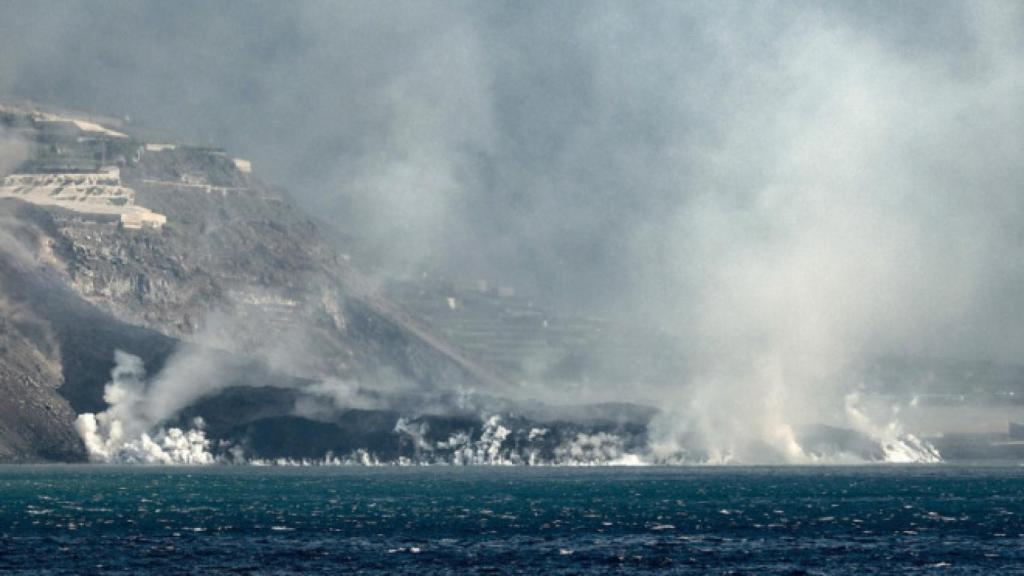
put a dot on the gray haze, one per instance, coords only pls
(787, 187)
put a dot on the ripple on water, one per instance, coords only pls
(846, 521)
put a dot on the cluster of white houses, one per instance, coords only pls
(74, 166)
(98, 193)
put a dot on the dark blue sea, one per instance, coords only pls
(244, 520)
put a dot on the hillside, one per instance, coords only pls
(178, 255)
(160, 303)
(229, 263)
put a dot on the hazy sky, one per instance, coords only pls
(718, 167)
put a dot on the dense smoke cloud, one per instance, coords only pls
(789, 188)
(555, 145)
(867, 228)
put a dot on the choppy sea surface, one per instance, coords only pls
(247, 520)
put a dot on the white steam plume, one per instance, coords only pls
(128, 430)
(849, 241)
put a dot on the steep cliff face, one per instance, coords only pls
(33, 415)
(56, 346)
(230, 265)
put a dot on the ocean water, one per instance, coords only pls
(497, 520)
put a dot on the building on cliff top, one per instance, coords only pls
(99, 193)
